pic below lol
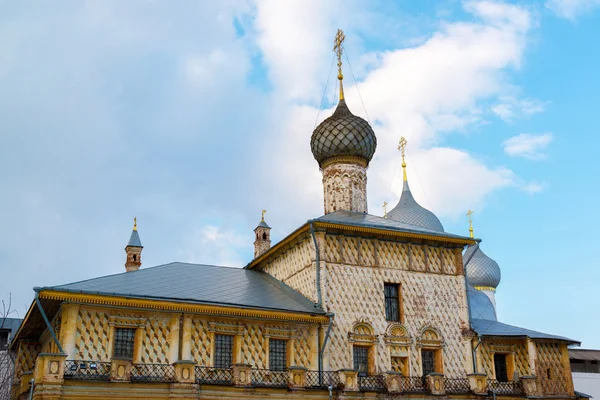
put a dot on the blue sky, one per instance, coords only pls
(195, 117)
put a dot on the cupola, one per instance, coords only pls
(343, 145)
(262, 232)
(134, 250)
(408, 210)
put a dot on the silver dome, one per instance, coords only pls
(480, 306)
(410, 212)
(481, 270)
(343, 134)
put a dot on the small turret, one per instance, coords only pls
(262, 243)
(134, 250)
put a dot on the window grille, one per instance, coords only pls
(392, 302)
(223, 351)
(428, 358)
(277, 354)
(361, 360)
(124, 338)
(500, 366)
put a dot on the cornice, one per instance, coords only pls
(180, 307)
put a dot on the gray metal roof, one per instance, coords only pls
(481, 270)
(584, 354)
(494, 328)
(263, 224)
(11, 324)
(373, 221)
(343, 134)
(134, 239)
(410, 212)
(480, 306)
(195, 283)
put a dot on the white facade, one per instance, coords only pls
(588, 383)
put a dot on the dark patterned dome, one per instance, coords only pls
(410, 212)
(343, 134)
(482, 271)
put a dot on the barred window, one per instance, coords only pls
(392, 301)
(223, 351)
(277, 354)
(500, 366)
(428, 358)
(361, 360)
(124, 338)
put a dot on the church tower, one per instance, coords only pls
(343, 145)
(133, 250)
(262, 243)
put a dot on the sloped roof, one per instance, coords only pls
(11, 324)
(196, 283)
(372, 221)
(134, 239)
(584, 354)
(495, 328)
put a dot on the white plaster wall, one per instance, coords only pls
(588, 383)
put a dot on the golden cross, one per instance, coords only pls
(262, 217)
(469, 213)
(385, 209)
(339, 49)
(402, 146)
(134, 223)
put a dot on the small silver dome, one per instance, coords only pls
(410, 212)
(480, 306)
(481, 270)
(343, 134)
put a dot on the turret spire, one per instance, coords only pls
(133, 250)
(402, 148)
(338, 47)
(469, 213)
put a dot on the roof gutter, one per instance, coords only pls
(317, 264)
(469, 306)
(50, 329)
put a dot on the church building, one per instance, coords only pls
(350, 305)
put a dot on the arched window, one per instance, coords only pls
(134, 257)
(264, 236)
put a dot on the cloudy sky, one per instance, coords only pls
(194, 116)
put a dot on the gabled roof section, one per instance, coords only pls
(11, 324)
(200, 284)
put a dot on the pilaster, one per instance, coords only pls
(68, 329)
(349, 379)
(186, 338)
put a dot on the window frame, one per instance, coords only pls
(216, 358)
(367, 350)
(282, 354)
(390, 301)
(130, 338)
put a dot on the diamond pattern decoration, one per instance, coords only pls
(254, 347)
(26, 357)
(155, 342)
(201, 342)
(91, 340)
(549, 360)
(438, 301)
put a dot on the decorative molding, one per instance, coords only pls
(344, 159)
(362, 333)
(126, 321)
(397, 335)
(430, 338)
(181, 307)
(280, 333)
(225, 328)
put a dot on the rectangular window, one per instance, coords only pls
(277, 354)
(361, 360)
(223, 351)
(4, 339)
(500, 366)
(428, 359)
(392, 301)
(124, 339)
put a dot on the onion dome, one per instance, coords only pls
(343, 134)
(482, 271)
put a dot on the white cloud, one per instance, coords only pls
(533, 187)
(509, 107)
(419, 92)
(528, 146)
(571, 9)
(214, 245)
